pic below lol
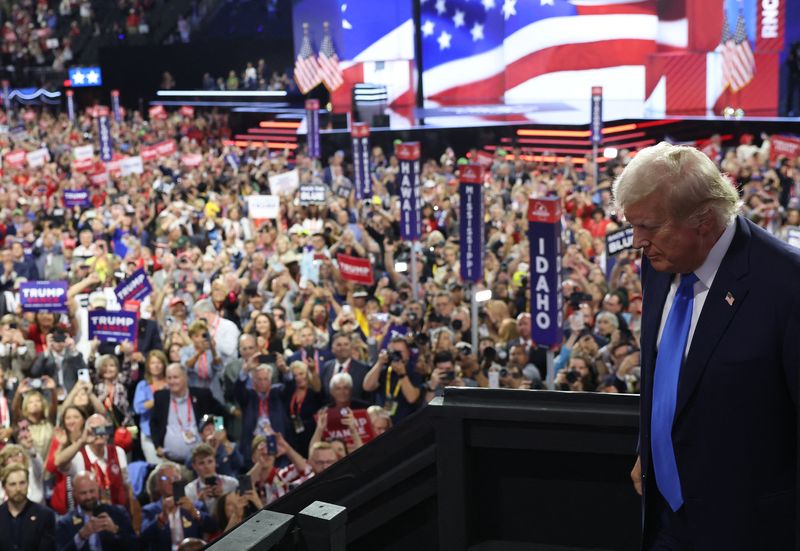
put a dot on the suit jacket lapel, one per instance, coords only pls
(717, 313)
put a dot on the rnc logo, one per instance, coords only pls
(547, 211)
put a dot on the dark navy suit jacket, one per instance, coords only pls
(735, 427)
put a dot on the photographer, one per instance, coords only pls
(200, 358)
(94, 451)
(61, 361)
(445, 373)
(399, 387)
(16, 352)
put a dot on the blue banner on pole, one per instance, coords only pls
(363, 179)
(472, 225)
(113, 326)
(106, 143)
(544, 234)
(136, 287)
(76, 198)
(71, 105)
(596, 126)
(115, 105)
(48, 296)
(312, 125)
(408, 154)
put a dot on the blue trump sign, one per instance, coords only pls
(113, 326)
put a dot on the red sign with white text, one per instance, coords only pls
(355, 269)
(547, 210)
(783, 146)
(337, 429)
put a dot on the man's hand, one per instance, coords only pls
(103, 523)
(186, 504)
(636, 475)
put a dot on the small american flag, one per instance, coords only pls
(307, 72)
(738, 61)
(329, 63)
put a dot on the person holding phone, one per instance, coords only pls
(92, 525)
(209, 484)
(201, 358)
(171, 516)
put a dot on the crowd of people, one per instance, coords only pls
(253, 77)
(256, 364)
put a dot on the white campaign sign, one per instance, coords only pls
(260, 207)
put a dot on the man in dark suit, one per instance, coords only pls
(61, 361)
(314, 357)
(92, 525)
(263, 405)
(177, 412)
(719, 359)
(166, 521)
(343, 362)
(24, 525)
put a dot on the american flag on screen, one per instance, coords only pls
(738, 61)
(307, 72)
(329, 64)
(522, 50)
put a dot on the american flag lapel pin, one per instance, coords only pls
(729, 299)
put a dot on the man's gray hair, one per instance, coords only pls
(263, 367)
(341, 378)
(689, 183)
(612, 318)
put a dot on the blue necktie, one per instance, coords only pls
(665, 391)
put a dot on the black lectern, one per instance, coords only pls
(477, 470)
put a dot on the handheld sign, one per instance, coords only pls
(312, 194)
(113, 326)
(136, 287)
(76, 198)
(617, 242)
(47, 296)
(355, 269)
(544, 235)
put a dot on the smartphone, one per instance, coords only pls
(210, 481)
(84, 376)
(272, 445)
(245, 483)
(98, 510)
(347, 309)
(178, 490)
(219, 424)
(266, 358)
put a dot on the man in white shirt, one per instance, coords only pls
(209, 486)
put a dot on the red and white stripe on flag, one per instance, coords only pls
(331, 73)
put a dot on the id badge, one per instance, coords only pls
(189, 437)
(299, 426)
(263, 426)
(390, 405)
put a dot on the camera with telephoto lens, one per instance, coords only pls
(422, 338)
(489, 354)
(457, 325)
(395, 356)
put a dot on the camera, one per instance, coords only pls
(36, 384)
(101, 430)
(206, 336)
(489, 354)
(395, 356)
(457, 325)
(421, 339)
(447, 376)
(503, 372)
(573, 376)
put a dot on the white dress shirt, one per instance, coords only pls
(705, 277)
